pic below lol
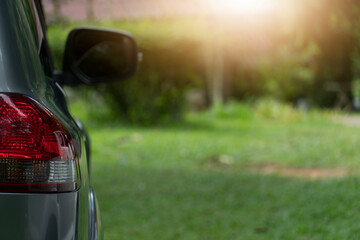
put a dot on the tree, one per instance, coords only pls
(57, 10)
(332, 25)
(90, 10)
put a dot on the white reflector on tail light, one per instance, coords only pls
(36, 150)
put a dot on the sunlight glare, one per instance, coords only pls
(243, 7)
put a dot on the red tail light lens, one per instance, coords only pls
(36, 151)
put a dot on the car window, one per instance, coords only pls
(38, 31)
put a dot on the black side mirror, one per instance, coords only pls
(94, 55)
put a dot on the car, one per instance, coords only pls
(45, 190)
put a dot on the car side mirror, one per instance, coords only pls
(94, 55)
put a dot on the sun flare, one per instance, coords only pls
(243, 7)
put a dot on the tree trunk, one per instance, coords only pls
(56, 10)
(215, 65)
(90, 10)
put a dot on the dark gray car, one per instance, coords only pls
(44, 152)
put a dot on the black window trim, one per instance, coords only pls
(44, 45)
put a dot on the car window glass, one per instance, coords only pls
(40, 39)
(30, 18)
(39, 31)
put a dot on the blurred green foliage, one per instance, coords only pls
(157, 92)
(271, 109)
(311, 55)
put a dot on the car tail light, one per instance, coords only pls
(36, 150)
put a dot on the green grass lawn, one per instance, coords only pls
(205, 179)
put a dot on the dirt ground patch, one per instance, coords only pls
(350, 120)
(308, 173)
(226, 163)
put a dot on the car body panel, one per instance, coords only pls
(27, 215)
(21, 70)
(40, 216)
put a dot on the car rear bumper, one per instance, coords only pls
(95, 226)
(38, 216)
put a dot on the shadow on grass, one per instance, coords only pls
(186, 125)
(180, 204)
(200, 123)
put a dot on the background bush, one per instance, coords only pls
(157, 92)
(310, 62)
